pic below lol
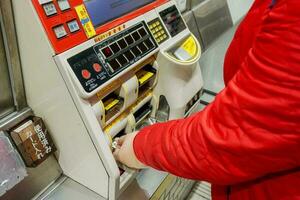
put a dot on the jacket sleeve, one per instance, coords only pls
(252, 129)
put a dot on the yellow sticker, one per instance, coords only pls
(111, 104)
(85, 21)
(146, 77)
(190, 46)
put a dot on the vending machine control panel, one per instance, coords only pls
(103, 61)
(112, 67)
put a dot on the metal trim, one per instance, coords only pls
(13, 119)
(12, 51)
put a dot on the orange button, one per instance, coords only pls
(86, 74)
(97, 67)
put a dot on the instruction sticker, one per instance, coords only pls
(85, 21)
(190, 46)
(146, 77)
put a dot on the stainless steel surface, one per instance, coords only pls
(6, 97)
(16, 117)
(141, 188)
(67, 189)
(12, 98)
(38, 178)
(191, 22)
(213, 18)
(212, 61)
(194, 3)
(134, 192)
(201, 191)
(146, 122)
(12, 53)
(163, 112)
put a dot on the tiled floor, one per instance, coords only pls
(201, 191)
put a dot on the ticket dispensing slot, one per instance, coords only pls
(143, 112)
(146, 78)
(113, 104)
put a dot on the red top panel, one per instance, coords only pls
(70, 39)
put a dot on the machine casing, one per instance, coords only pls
(55, 94)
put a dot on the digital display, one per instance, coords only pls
(102, 11)
(172, 20)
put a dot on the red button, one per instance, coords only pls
(86, 74)
(97, 67)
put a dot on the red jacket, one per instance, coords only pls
(247, 142)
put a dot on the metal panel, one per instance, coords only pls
(12, 53)
(6, 97)
(67, 189)
(194, 3)
(213, 18)
(212, 62)
(191, 22)
(12, 98)
(37, 179)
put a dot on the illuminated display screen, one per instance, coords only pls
(102, 11)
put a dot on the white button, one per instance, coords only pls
(60, 31)
(73, 26)
(63, 5)
(49, 9)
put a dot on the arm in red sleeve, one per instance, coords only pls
(253, 127)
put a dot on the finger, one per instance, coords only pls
(121, 140)
(116, 154)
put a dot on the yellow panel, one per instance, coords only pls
(85, 21)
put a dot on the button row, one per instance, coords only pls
(50, 9)
(158, 31)
(129, 55)
(123, 43)
(60, 30)
(86, 74)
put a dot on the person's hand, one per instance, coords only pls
(124, 152)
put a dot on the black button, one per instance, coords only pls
(136, 36)
(149, 44)
(122, 60)
(107, 51)
(129, 55)
(122, 44)
(84, 61)
(142, 47)
(115, 47)
(114, 64)
(136, 51)
(92, 58)
(129, 39)
(142, 32)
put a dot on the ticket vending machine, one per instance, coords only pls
(99, 69)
